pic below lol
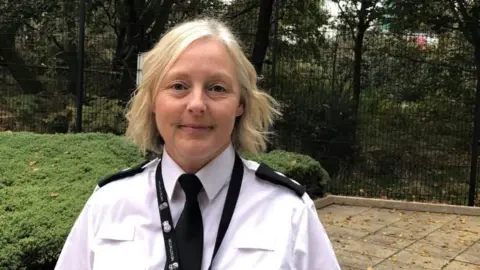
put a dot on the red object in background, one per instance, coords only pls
(421, 41)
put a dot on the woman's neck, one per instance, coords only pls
(191, 164)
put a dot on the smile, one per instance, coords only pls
(195, 127)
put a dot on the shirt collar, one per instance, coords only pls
(213, 176)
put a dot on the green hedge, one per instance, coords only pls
(303, 169)
(46, 179)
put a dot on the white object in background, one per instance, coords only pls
(139, 67)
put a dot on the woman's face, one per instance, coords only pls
(197, 103)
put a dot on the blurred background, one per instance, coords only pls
(381, 92)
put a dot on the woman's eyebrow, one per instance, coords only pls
(222, 75)
(214, 74)
(176, 74)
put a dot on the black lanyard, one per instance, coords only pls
(166, 216)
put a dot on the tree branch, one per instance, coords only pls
(469, 20)
(109, 17)
(464, 20)
(351, 24)
(429, 62)
(147, 15)
(462, 8)
(374, 14)
(244, 11)
(161, 20)
(49, 36)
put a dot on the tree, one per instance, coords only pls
(356, 17)
(262, 37)
(139, 23)
(15, 15)
(462, 16)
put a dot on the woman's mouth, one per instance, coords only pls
(195, 127)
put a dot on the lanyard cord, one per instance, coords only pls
(167, 221)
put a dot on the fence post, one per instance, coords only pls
(475, 143)
(274, 47)
(80, 67)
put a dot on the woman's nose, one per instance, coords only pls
(196, 103)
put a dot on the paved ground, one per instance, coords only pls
(373, 238)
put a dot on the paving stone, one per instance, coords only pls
(364, 248)
(420, 260)
(392, 264)
(371, 237)
(356, 260)
(466, 223)
(426, 249)
(471, 255)
(411, 233)
(388, 241)
(456, 265)
(452, 239)
(334, 214)
(335, 232)
(384, 216)
(346, 267)
(360, 225)
(410, 219)
(369, 221)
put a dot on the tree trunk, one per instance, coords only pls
(20, 72)
(135, 41)
(129, 52)
(357, 68)
(357, 83)
(70, 46)
(161, 21)
(262, 36)
(72, 59)
(26, 78)
(334, 64)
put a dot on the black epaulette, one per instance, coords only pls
(266, 173)
(122, 174)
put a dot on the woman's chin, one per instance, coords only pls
(195, 150)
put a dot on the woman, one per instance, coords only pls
(200, 206)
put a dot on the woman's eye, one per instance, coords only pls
(178, 86)
(217, 88)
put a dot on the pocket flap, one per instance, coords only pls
(118, 232)
(257, 239)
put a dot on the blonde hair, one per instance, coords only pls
(260, 109)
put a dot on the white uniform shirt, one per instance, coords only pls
(271, 228)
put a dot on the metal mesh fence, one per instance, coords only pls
(413, 136)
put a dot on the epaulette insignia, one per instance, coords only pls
(266, 173)
(123, 174)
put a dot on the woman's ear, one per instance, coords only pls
(239, 110)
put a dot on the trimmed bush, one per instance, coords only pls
(45, 181)
(301, 168)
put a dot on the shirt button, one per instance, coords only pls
(173, 266)
(166, 227)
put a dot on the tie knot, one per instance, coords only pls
(191, 185)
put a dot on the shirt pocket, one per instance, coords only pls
(117, 248)
(257, 250)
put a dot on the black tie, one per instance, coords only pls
(189, 229)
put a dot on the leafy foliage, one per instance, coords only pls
(405, 85)
(44, 181)
(301, 168)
